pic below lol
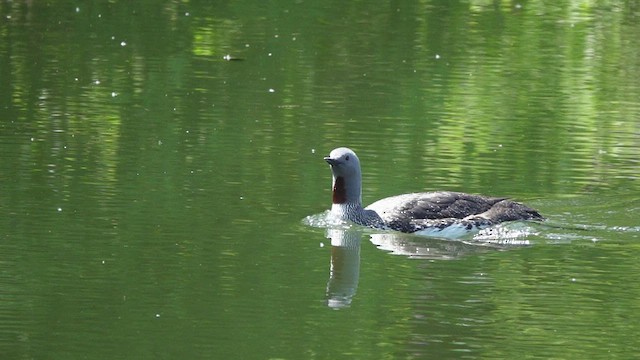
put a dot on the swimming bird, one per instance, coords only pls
(443, 213)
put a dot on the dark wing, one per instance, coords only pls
(432, 205)
(508, 210)
(407, 212)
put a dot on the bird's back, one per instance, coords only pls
(414, 211)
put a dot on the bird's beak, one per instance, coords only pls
(330, 160)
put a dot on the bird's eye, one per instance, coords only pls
(347, 158)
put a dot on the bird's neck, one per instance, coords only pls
(355, 213)
(347, 191)
(347, 198)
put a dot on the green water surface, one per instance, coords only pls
(158, 158)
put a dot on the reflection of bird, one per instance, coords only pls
(441, 213)
(345, 267)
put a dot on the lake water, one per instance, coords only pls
(158, 161)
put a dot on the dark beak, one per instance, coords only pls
(330, 160)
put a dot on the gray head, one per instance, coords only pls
(347, 178)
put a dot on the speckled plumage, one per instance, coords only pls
(416, 212)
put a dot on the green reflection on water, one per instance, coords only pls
(151, 192)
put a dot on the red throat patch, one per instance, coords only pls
(339, 191)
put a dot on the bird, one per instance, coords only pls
(440, 213)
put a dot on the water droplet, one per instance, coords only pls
(437, 56)
(272, 90)
(123, 43)
(97, 82)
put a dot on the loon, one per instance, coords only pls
(440, 213)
